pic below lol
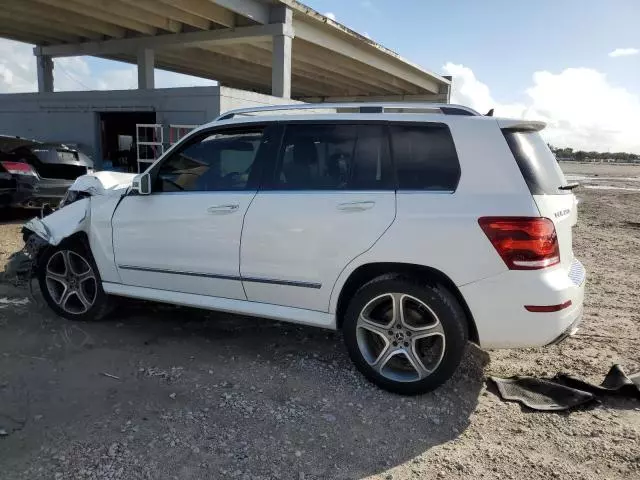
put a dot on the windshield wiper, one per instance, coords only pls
(569, 186)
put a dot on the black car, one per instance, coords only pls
(7, 187)
(34, 174)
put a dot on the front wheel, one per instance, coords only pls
(70, 283)
(405, 336)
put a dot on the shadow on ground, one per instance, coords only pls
(205, 395)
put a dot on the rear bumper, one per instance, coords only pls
(497, 305)
(33, 192)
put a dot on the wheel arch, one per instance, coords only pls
(367, 272)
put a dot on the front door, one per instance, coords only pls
(185, 236)
(329, 197)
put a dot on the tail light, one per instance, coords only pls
(18, 168)
(524, 243)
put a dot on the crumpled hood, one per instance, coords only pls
(103, 183)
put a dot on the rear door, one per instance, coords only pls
(546, 182)
(329, 198)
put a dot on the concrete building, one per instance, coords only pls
(260, 52)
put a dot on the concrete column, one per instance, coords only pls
(45, 74)
(146, 65)
(446, 89)
(281, 67)
(281, 57)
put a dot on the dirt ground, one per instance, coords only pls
(159, 392)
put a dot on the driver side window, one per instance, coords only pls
(219, 161)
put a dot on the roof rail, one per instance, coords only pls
(360, 107)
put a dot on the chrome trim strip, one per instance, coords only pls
(288, 283)
(178, 272)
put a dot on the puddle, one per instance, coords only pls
(611, 187)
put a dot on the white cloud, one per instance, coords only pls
(17, 67)
(18, 73)
(582, 109)
(330, 15)
(624, 52)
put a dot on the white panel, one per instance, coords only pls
(181, 232)
(504, 323)
(308, 237)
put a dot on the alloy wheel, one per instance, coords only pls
(71, 282)
(400, 337)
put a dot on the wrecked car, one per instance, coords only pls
(40, 173)
(384, 225)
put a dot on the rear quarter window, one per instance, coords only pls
(537, 163)
(425, 157)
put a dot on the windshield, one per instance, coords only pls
(537, 163)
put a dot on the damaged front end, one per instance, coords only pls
(39, 233)
(71, 218)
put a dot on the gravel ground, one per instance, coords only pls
(205, 395)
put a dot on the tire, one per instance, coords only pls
(409, 354)
(87, 300)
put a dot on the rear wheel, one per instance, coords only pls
(405, 336)
(70, 282)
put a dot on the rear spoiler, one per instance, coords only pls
(520, 125)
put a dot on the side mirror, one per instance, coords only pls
(142, 184)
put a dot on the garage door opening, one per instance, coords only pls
(118, 139)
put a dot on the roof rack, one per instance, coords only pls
(362, 107)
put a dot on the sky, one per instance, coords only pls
(572, 63)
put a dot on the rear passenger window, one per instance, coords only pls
(425, 157)
(333, 157)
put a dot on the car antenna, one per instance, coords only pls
(489, 113)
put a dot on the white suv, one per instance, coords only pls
(411, 228)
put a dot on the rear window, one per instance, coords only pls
(425, 157)
(537, 163)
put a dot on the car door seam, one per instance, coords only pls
(395, 214)
(246, 211)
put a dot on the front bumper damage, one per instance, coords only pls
(71, 219)
(39, 233)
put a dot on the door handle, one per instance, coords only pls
(222, 209)
(356, 206)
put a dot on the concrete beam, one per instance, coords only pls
(91, 17)
(367, 54)
(45, 74)
(118, 10)
(327, 71)
(33, 24)
(56, 32)
(215, 37)
(253, 9)
(204, 9)
(436, 98)
(66, 17)
(171, 12)
(301, 71)
(146, 65)
(378, 79)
